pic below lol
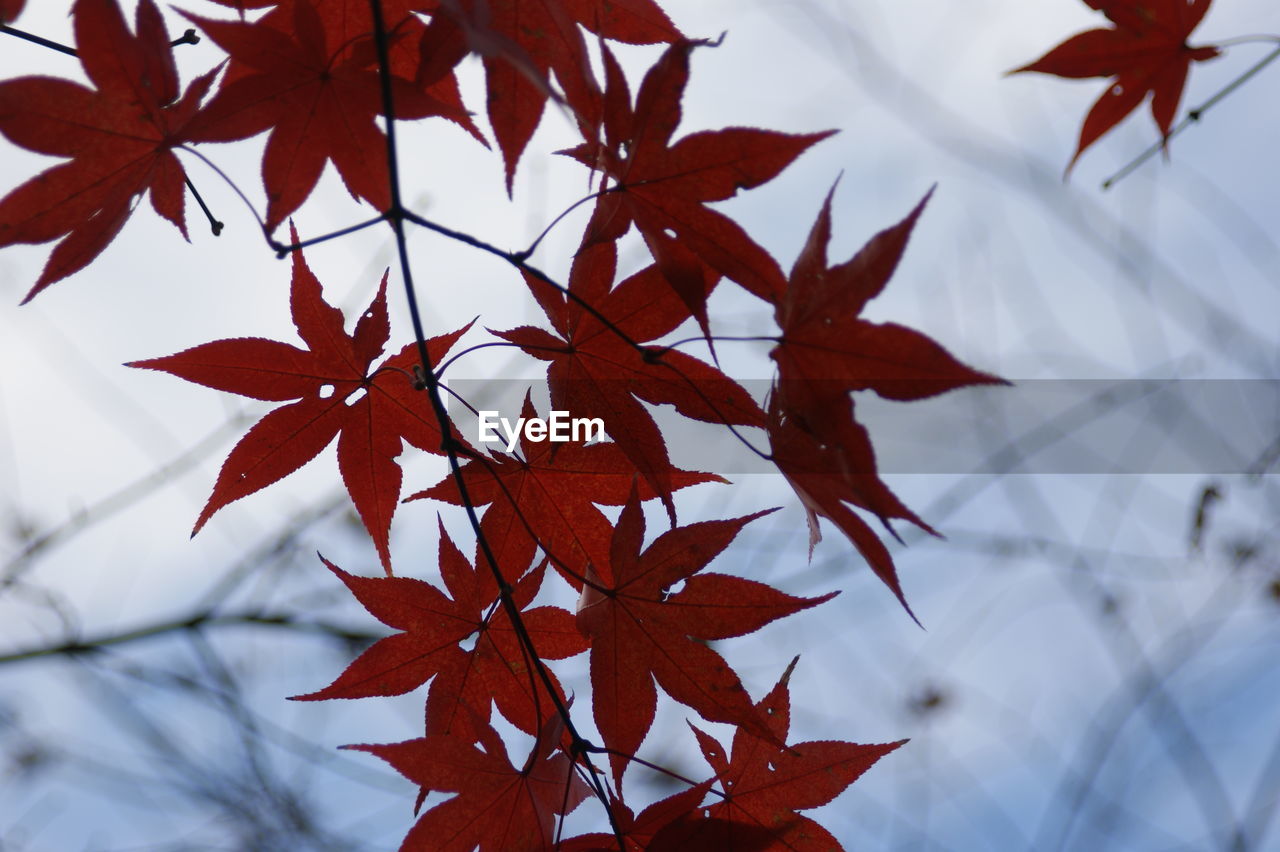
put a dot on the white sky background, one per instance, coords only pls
(1013, 270)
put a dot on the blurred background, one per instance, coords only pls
(1101, 621)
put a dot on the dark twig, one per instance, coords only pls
(396, 216)
(491, 345)
(188, 37)
(35, 39)
(285, 249)
(214, 224)
(517, 260)
(527, 253)
(655, 767)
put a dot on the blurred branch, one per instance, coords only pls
(113, 504)
(201, 621)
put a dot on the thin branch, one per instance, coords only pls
(396, 215)
(284, 249)
(127, 496)
(505, 344)
(717, 339)
(527, 253)
(214, 224)
(234, 188)
(188, 37)
(35, 39)
(655, 767)
(516, 260)
(1193, 116)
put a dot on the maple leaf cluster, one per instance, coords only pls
(321, 78)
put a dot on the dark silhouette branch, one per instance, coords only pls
(396, 216)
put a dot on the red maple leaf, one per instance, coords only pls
(1145, 52)
(338, 395)
(595, 373)
(641, 630)
(825, 352)
(498, 808)
(765, 783)
(463, 682)
(639, 832)
(546, 497)
(10, 10)
(663, 188)
(348, 24)
(120, 137)
(523, 41)
(319, 94)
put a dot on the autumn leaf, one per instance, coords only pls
(638, 832)
(825, 352)
(523, 41)
(641, 629)
(498, 808)
(765, 784)
(594, 372)
(824, 339)
(119, 135)
(319, 96)
(547, 496)
(370, 411)
(348, 25)
(464, 682)
(1144, 53)
(10, 10)
(663, 188)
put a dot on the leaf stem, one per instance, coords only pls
(719, 338)
(517, 260)
(491, 345)
(1193, 116)
(214, 224)
(527, 253)
(655, 767)
(234, 188)
(283, 249)
(35, 39)
(188, 37)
